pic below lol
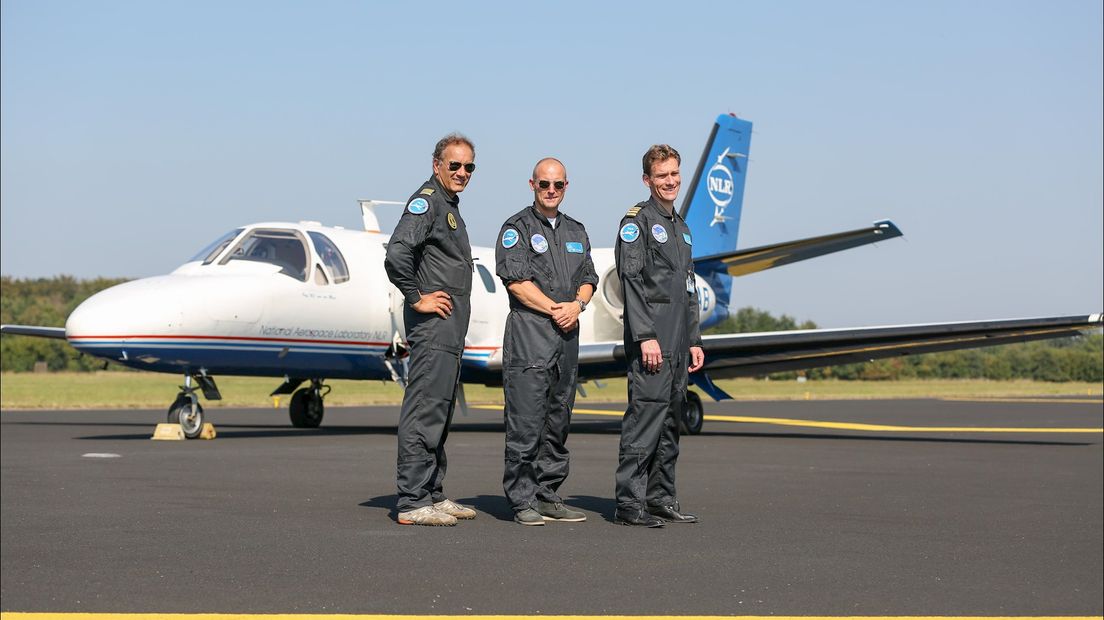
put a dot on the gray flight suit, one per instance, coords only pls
(655, 264)
(540, 362)
(429, 251)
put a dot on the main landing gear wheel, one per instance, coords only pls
(693, 414)
(188, 414)
(307, 408)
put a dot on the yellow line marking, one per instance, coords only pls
(148, 616)
(981, 399)
(851, 426)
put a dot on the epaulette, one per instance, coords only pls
(632, 212)
(426, 192)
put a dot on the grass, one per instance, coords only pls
(138, 390)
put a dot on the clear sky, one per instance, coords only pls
(134, 133)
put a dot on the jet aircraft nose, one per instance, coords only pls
(148, 306)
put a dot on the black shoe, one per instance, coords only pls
(636, 516)
(671, 514)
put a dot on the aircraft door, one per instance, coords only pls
(396, 356)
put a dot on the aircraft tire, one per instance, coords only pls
(180, 412)
(693, 414)
(306, 409)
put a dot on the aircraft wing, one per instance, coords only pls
(753, 354)
(33, 330)
(743, 262)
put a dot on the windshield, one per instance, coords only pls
(283, 248)
(216, 247)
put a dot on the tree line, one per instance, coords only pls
(48, 301)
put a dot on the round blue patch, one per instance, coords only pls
(660, 233)
(509, 238)
(539, 243)
(418, 206)
(629, 232)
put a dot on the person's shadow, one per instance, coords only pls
(496, 505)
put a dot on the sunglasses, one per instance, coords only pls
(453, 166)
(559, 185)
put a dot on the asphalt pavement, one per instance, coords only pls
(922, 517)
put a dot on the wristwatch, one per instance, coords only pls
(582, 304)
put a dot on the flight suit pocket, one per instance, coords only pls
(659, 287)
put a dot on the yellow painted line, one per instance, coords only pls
(1090, 401)
(854, 426)
(86, 616)
(850, 426)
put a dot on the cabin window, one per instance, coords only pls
(283, 248)
(485, 275)
(216, 247)
(331, 257)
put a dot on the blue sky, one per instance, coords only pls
(133, 133)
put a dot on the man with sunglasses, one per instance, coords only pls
(429, 260)
(543, 258)
(662, 342)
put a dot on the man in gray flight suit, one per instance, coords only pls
(662, 343)
(543, 258)
(429, 260)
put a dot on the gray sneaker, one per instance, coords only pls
(528, 517)
(556, 511)
(426, 515)
(450, 507)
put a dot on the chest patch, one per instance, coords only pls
(418, 206)
(509, 238)
(629, 232)
(686, 238)
(574, 247)
(539, 243)
(451, 221)
(660, 233)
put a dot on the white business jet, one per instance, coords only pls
(305, 303)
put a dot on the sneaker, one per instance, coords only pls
(528, 517)
(450, 507)
(556, 511)
(426, 515)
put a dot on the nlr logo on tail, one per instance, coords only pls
(715, 199)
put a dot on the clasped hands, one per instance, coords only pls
(566, 315)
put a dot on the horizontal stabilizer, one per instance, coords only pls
(743, 262)
(33, 330)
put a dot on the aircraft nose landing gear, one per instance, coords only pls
(186, 410)
(307, 406)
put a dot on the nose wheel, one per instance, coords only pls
(307, 406)
(188, 413)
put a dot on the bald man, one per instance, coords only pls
(543, 258)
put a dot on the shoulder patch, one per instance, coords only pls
(632, 212)
(418, 206)
(629, 232)
(427, 191)
(509, 238)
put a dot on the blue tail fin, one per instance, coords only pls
(714, 201)
(716, 195)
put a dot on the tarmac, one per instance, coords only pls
(827, 508)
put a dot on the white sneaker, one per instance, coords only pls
(426, 515)
(450, 507)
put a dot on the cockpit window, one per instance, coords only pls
(216, 247)
(283, 248)
(331, 257)
(485, 275)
